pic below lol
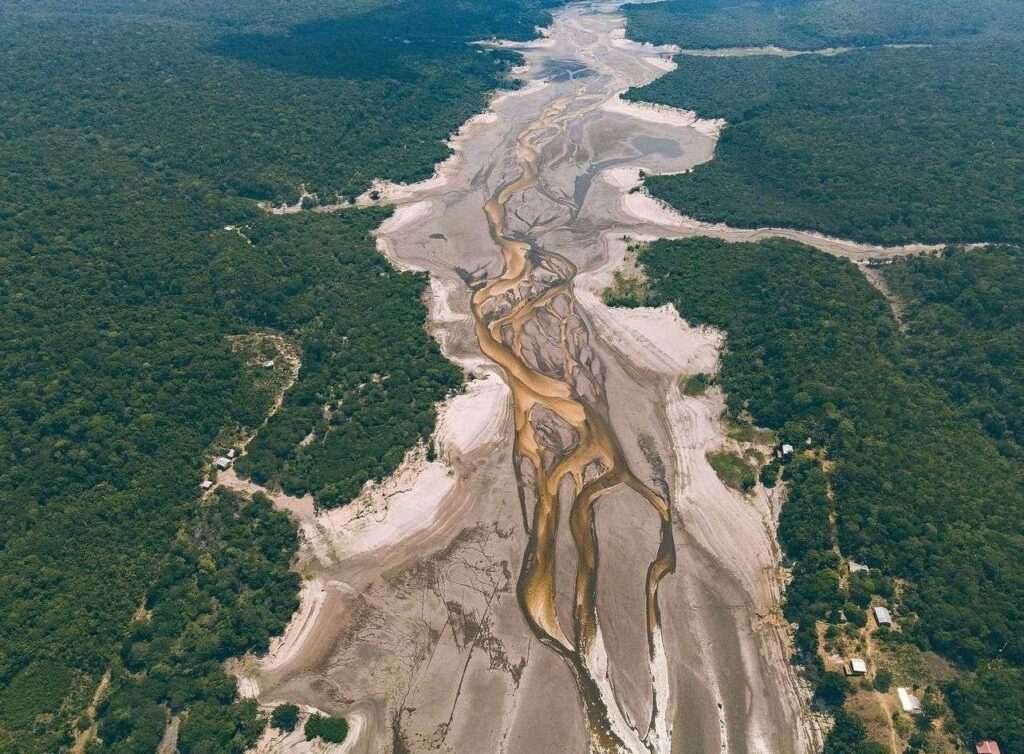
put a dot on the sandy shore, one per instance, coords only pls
(398, 194)
(656, 339)
(286, 647)
(388, 512)
(767, 51)
(664, 115)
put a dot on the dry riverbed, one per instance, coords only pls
(569, 574)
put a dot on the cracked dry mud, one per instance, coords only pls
(586, 584)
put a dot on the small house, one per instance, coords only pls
(268, 364)
(856, 567)
(987, 747)
(882, 616)
(232, 453)
(223, 463)
(858, 667)
(908, 702)
(205, 484)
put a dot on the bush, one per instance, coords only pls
(732, 470)
(831, 692)
(331, 729)
(770, 473)
(697, 384)
(285, 717)
(855, 615)
(883, 680)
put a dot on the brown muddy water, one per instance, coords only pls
(579, 580)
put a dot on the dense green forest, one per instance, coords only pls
(331, 101)
(816, 24)
(881, 145)
(135, 133)
(964, 313)
(365, 354)
(921, 490)
(888, 146)
(224, 589)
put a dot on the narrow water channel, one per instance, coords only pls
(579, 579)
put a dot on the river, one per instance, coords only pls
(569, 575)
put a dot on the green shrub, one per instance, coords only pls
(733, 470)
(331, 729)
(696, 384)
(883, 680)
(832, 690)
(285, 717)
(770, 473)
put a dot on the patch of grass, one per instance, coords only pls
(911, 665)
(733, 470)
(867, 707)
(626, 290)
(696, 384)
(754, 456)
(750, 433)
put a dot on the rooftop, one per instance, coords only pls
(908, 702)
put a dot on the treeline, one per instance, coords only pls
(884, 146)
(921, 491)
(119, 377)
(345, 93)
(816, 24)
(134, 133)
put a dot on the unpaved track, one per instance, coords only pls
(585, 583)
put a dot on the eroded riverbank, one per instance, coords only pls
(571, 575)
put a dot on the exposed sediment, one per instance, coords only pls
(569, 575)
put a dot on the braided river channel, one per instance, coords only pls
(564, 572)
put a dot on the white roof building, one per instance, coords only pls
(908, 702)
(205, 484)
(882, 616)
(858, 666)
(222, 463)
(787, 449)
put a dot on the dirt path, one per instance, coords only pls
(288, 353)
(84, 737)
